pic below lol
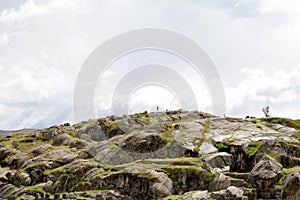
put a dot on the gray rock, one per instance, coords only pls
(218, 162)
(79, 144)
(265, 174)
(197, 195)
(63, 139)
(220, 182)
(51, 134)
(291, 186)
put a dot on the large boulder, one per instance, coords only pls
(218, 162)
(265, 174)
(220, 182)
(63, 139)
(291, 187)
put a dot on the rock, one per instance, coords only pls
(199, 195)
(63, 139)
(51, 134)
(93, 131)
(207, 148)
(218, 162)
(79, 144)
(265, 174)
(9, 190)
(18, 178)
(144, 142)
(40, 149)
(13, 158)
(234, 192)
(291, 186)
(230, 193)
(220, 182)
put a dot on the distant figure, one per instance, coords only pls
(266, 111)
(157, 109)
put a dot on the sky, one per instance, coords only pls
(254, 45)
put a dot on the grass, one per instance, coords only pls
(259, 126)
(198, 141)
(283, 121)
(297, 136)
(252, 147)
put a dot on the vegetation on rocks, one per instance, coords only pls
(153, 156)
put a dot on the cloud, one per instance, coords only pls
(279, 90)
(44, 43)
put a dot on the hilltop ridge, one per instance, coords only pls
(163, 155)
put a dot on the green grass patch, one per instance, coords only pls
(284, 121)
(198, 141)
(297, 136)
(259, 126)
(252, 147)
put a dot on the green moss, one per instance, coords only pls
(252, 147)
(198, 141)
(259, 126)
(187, 161)
(284, 121)
(297, 136)
(221, 146)
(289, 170)
(209, 177)
(275, 156)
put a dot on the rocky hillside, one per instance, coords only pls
(173, 155)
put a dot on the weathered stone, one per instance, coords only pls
(79, 144)
(63, 139)
(291, 186)
(265, 174)
(220, 182)
(219, 162)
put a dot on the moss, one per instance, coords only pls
(198, 141)
(209, 177)
(297, 136)
(259, 126)
(187, 161)
(171, 197)
(221, 146)
(166, 134)
(289, 170)
(253, 147)
(180, 168)
(275, 156)
(284, 121)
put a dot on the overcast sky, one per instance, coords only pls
(255, 45)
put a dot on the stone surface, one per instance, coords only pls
(170, 155)
(291, 187)
(218, 162)
(265, 174)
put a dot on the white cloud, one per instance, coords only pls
(258, 89)
(44, 43)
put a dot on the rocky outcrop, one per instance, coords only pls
(163, 155)
(291, 187)
(265, 174)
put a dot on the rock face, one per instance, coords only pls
(291, 187)
(163, 155)
(265, 174)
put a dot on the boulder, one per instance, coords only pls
(220, 182)
(218, 162)
(265, 174)
(79, 144)
(291, 186)
(63, 139)
(231, 192)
